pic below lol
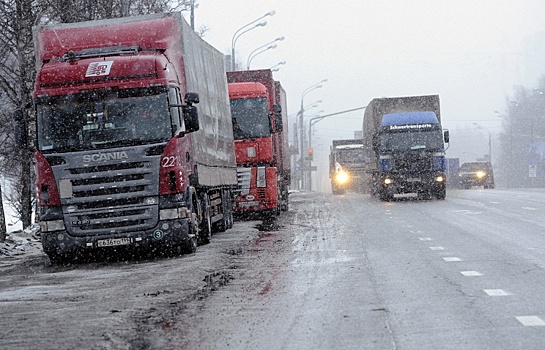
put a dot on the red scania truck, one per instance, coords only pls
(260, 129)
(123, 157)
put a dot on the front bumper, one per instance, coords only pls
(167, 233)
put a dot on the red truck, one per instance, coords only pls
(260, 129)
(123, 156)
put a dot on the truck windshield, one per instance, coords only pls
(250, 118)
(352, 155)
(411, 140)
(79, 122)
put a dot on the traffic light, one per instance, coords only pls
(310, 153)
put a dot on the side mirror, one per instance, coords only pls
(189, 113)
(191, 118)
(191, 98)
(277, 114)
(446, 136)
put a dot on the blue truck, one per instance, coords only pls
(404, 147)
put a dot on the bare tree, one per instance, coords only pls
(17, 72)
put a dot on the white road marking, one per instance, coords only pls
(471, 273)
(437, 248)
(465, 211)
(496, 292)
(424, 238)
(529, 208)
(530, 320)
(452, 259)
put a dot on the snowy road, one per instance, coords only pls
(340, 272)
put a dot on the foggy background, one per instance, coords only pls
(472, 53)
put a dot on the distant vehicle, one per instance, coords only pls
(346, 166)
(260, 128)
(476, 174)
(404, 147)
(123, 158)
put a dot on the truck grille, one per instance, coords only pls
(244, 176)
(413, 163)
(110, 198)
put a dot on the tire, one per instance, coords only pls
(441, 194)
(223, 224)
(385, 195)
(205, 226)
(59, 259)
(190, 246)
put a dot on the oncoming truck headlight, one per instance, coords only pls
(439, 179)
(388, 181)
(341, 177)
(480, 174)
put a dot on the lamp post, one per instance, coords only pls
(275, 67)
(303, 162)
(489, 140)
(506, 164)
(253, 24)
(315, 119)
(268, 46)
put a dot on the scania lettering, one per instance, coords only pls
(104, 156)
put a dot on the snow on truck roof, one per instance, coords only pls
(404, 118)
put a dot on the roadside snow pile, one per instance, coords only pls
(21, 242)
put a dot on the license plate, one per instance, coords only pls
(113, 242)
(413, 179)
(248, 204)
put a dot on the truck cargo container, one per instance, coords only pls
(123, 155)
(258, 108)
(404, 146)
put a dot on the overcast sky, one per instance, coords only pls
(468, 52)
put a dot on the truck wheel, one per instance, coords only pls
(59, 259)
(223, 224)
(441, 194)
(190, 246)
(385, 196)
(205, 226)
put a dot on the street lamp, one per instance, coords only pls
(275, 67)
(302, 161)
(489, 140)
(253, 24)
(317, 118)
(268, 46)
(250, 58)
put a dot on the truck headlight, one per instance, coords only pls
(388, 181)
(173, 213)
(480, 174)
(53, 225)
(439, 179)
(341, 177)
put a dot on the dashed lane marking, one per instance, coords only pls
(451, 259)
(424, 238)
(437, 248)
(471, 273)
(529, 208)
(530, 321)
(496, 292)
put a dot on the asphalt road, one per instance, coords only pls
(336, 272)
